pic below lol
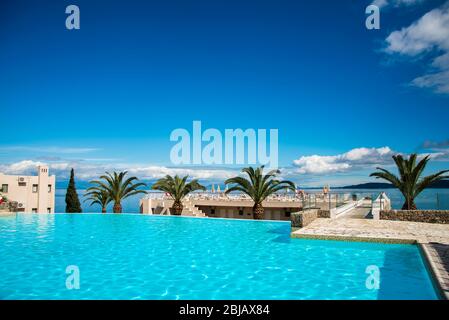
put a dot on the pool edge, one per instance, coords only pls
(353, 238)
(436, 276)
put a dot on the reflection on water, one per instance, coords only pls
(428, 199)
(160, 257)
(42, 223)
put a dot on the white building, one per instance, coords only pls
(32, 193)
(221, 206)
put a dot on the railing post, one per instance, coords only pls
(438, 202)
(380, 198)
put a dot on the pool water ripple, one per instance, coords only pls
(153, 257)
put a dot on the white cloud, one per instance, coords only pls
(20, 167)
(427, 35)
(307, 168)
(429, 32)
(86, 171)
(355, 158)
(439, 81)
(155, 172)
(396, 3)
(46, 149)
(380, 3)
(319, 164)
(435, 145)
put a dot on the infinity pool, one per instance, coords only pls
(152, 257)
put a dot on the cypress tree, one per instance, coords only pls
(71, 197)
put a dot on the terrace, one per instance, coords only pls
(277, 207)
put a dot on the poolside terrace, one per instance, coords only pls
(277, 207)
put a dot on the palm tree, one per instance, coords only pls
(98, 195)
(177, 188)
(259, 186)
(409, 181)
(119, 188)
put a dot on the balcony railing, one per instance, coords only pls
(308, 200)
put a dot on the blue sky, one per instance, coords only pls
(109, 95)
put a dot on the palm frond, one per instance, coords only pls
(177, 187)
(428, 180)
(258, 186)
(116, 187)
(409, 181)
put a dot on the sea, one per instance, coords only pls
(428, 199)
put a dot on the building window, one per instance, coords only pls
(34, 210)
(4, 188)
(212, 211)
(22, 184)
(34, 188)
(49, 188)
(48, 210)
(287, 214)
(241, 212)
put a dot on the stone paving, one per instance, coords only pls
(438, 257)
(356, 213)
(375, 230)
(432, 238)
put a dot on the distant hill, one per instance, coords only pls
(82, 185)
(442, 184)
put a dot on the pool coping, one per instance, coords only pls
(147, 215)
(436, 268)
(354, 238)
(7, 214)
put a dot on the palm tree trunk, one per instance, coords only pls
(258, 211)
(117, 208)
(409, 204)
(177, 208)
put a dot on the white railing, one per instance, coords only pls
(382, 202)
(221, 196)
(337, 202)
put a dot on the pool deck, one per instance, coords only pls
(6, 213)
(433, 239)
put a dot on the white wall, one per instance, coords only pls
(20, 189)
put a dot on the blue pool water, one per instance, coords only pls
(152, 257)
